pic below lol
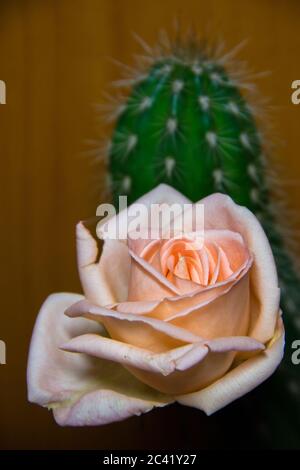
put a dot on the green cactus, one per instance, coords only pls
(189, 126)
(186, 123)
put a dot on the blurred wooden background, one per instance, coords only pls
(54, 58)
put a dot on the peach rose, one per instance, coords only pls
(161, 321)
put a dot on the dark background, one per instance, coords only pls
(54, 60)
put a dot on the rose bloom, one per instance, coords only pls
(161, 320)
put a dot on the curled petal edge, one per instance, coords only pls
(240, 380)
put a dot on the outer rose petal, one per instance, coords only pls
(103, 282)
(240, 380)
(178, 370)
(179, 358)
(102, 407)
(67, 382)
(143, 332)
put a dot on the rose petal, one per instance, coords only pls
(180, 358)
(103, 282)
(198, 368)
(161, 268)
(67, 382)
(220, 212)
(182, 285)
(128, 355)
(234, 343)
(175, 306)
(227, 315)
(159, 370)
(240, 380)
(52, 328)
(137, 330)
(146, 283)
(101, 407)
(232, 245)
